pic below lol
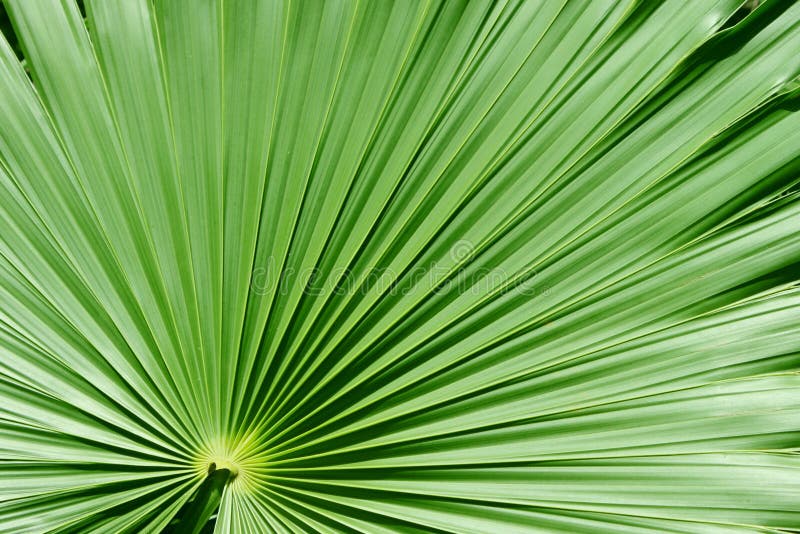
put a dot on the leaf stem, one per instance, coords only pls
(194, 515)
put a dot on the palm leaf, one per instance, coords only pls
(514, 266)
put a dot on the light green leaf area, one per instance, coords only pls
(454, 266)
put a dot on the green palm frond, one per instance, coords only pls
(400, 266)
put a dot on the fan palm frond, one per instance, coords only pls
(400, 266)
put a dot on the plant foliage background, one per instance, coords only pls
(403, 266)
